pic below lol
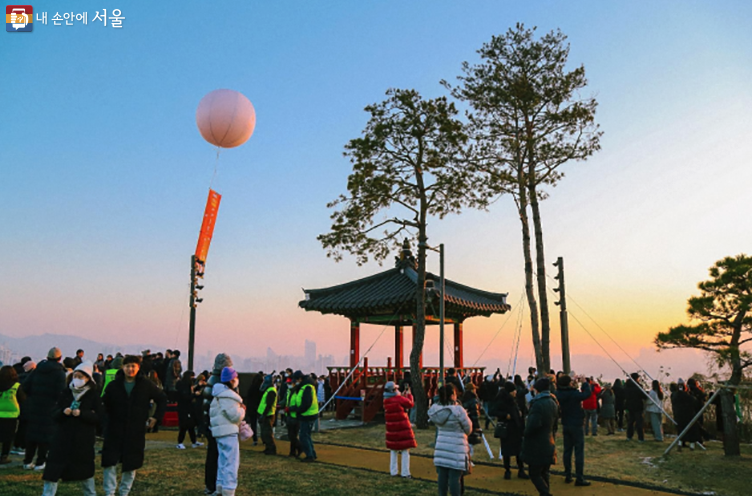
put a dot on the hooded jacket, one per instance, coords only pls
(399, 432)
(453, 424)
(226, 412)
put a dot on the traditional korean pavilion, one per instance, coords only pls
(389, 299)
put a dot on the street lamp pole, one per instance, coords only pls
(441, 315)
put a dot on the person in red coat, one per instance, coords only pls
(399, 432)
(590, 406)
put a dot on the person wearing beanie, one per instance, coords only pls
(538, 446)
(226, 413)
(127, 400)
(506, 409)
(572, 419)
(11, 398)
(221, 361)
(267, 411)
(43, 387)
(634, 405)
(400, 438)
(307, 411)
(72, 456)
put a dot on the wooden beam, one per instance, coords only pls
(458, 345)
(399, 347)
(354, 343)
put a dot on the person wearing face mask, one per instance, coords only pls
(71, 455)
(127, 401)
(226, 413)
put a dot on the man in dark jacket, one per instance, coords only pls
(307, 411)
(43, 387)
(127, 401)
(538, 446)
(634, 403)
(572, 417)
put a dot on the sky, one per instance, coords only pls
(105, 176)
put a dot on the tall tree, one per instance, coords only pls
(527, 120)
(721, 325)
(406, 168)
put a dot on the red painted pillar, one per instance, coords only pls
(399, 348)
(458, 346)
(354, 343)
(420, 361)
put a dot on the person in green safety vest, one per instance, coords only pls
(11, 396)
(111, 373)
(292, 423)
(307, 412)
(267, 413)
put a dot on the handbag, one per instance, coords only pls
(244, 431)
(501, 431)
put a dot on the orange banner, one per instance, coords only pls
(207, 226)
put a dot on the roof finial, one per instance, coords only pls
(406, 257)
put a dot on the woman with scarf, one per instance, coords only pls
(71, 456)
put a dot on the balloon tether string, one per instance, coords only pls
(216, 161)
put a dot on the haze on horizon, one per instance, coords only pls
(105, 173)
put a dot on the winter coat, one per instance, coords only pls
(651, 404)
(471, 404)
(488, 390)
(43, 388)
(399, 432)
(71, 455)
(634, 398)
(538, 447)
(685, 407)
(570, 400)
(125, 432)
(185, 404)
(608, 400)
(505, 405)
(226, 411)
(453, 424)
(618, 397)
(592, 402)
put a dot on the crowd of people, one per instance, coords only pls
(52, 413)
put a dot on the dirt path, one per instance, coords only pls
(484, 477)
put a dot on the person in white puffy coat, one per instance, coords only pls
(452, 453)
(225, 416)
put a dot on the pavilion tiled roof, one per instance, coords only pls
(394, 291)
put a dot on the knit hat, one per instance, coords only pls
(680, 381)
(228, 374)
(117, 363)
(297, 375)
(54, 354)
(29, 366)
(390, 390)
(221, 361)
(85, 367)
(509, 387)
(542, 385)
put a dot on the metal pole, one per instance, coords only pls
(566, 363)
(441, 315)
(192, 329)
(689, 426)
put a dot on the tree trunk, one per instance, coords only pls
(532, 303)
(416, 374)
(541, 278)
(730, 427)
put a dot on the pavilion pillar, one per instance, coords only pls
(399, 348)
(458, 346)
(354, 343)
(420, 360)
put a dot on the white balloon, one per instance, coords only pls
(225, 118)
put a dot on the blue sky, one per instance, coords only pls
(105, 174)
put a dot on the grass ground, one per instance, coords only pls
(613, 457)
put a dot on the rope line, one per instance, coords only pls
(497, 332)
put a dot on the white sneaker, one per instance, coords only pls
(180, 446)
(40, 467)
(29, 466)
(196, 445)
(16, 451)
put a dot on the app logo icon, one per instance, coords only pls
(19, 18)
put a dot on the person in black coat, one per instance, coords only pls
(634, 402)
(506, 409)
(76, 417)
(186, 411)
(43, 388)
(572, 418)
(685, 406)
(618, 389)
(538, 446)
(253, 400)
(127, 403)
(699, 394)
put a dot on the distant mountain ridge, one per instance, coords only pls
(37, 346)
